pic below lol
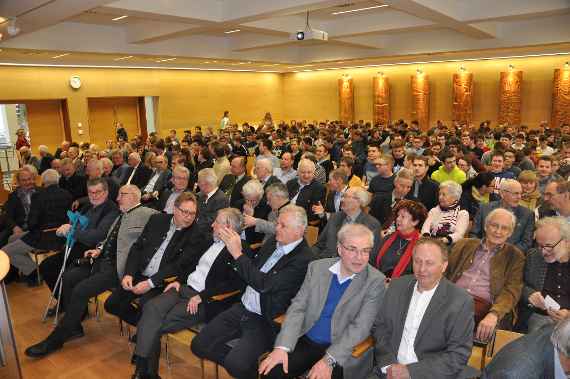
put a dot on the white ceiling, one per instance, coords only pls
(195, 30)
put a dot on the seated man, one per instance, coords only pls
(543, 354)
(185, 302)
(277, 198)
(511, 192)
(47, 210)
(233, 182)
(154, 257)
(491, 270)
(84, 282)
(425, 324)
(158, 180)
(309, 339)
(210, 199)
(337, 186)
(71, 180)
(273, 278)
(381, 205)
(546, 273)
(137, 174)
(94, 170)
(264, 173)
(352, 205)
(180, 180)
(252, 205)
(305, 191)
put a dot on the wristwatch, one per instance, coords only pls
(329, 360)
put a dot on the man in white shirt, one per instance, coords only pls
(436, 337)
(286, 171)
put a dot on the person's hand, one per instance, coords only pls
(141, 287)
(192, 306)
(277, 356)
(146, 197)
(63, 230)
(175, 285)
(537, 300)
(398, 371)
(93, 253)
(558, 315)
(486, 327)
(75, 205)
(384, 233)
(16, 230)
(248, 221)
(318, 209)
(232, 241)
(247, 209)
(127, 283)
(320, 370)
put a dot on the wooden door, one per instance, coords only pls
(105, 111)
(45, 123)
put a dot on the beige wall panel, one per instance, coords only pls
(45, 122)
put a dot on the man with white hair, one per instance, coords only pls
(180, 181)
(491, 270)
(273, 278)
(511, 194)
(277, 198)
(305, 191)
(45, 158)
(138, 173)
(252, 205)
(26, 157)
(547, 274)
(352, 206)
(264, 173)
(210, 199)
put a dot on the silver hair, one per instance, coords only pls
(557, 222)
(43, 148)
(454, 188)
(181, 170)
(29, 168)
(405, 173)
(233, 217)
(305, 162)
(136, 191)
(358, 230)
(97, 163)
(507, 184)
(253, 188)
(265, 162)
(209, 175)
(299, 213)
(50, 177)
(499, 210)
(363, 196)
(560, 337)
(279, 190)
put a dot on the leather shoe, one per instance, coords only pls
(47, 346)
(78, 333)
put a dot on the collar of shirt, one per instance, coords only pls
(218, 241)
(335, 269)
(289, 247)
(352, 219)
(492, 251)
(131, 208)
(425, 293)
(210, 194)
(240, 177)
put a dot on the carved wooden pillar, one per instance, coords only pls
(510, 97)
(346, 99)
(420, 99)
(380, 100)
(463, 97)
(561, 98)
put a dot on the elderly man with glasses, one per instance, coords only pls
(511, 194)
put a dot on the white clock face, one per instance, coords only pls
(75, 82)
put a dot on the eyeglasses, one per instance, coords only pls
(549, 247)
(95, 193)
(354, 250)
(186, 212)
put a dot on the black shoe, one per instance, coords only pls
(78, 333)
(47, 346)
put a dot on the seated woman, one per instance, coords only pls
(447, 221)
(476, 191)
(394, 258)
(251, 205)
(530, 193)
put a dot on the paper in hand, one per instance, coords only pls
(551, 304)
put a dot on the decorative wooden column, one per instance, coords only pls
(463, 97)
(561, 98)
(420, 99)
(510, 97)
(346, 99)
(380, 100)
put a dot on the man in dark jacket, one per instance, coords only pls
(71, 180)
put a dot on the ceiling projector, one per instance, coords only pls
(312, 34)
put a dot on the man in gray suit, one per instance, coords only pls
(333, 311)
(84, 282)
(543, 354)
(511, 192)
(352, 205)
(425, 325)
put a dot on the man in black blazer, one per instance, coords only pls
(158, 181)
(45, 158)
(273, 277)
(233, 182)
(154, 256)
(71, 180)
(203, 273)
(425, 325)
(264, 173)
(424, 189)
(381, 205)
(210, 199)
(305, 191)
(138, 173)
(180, 183)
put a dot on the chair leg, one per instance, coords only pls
(202, 368)
(37, 269)
(166, 353)
(217, 370)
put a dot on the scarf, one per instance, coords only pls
(450, 208)
(406, 257)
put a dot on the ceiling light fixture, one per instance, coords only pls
(359, 9)
(511, 67)
(121, 58)
(120, 17)
(462, 69)
(165, 60)
(232, 31)
(419, 71)
(61, 55)
(566, 65)
(13, 28)
(381, 74)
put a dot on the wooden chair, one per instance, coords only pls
(484, 352)
(312, 234)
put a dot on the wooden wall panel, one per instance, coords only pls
(420, 99)
(380, 100)
(463, 97)
(104, 111)
(45, 122)
(510, 89)
(346, 100)
(561, 98)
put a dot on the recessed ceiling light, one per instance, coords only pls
(165, 60)
(232, 31)
(206, 62)
(120, 17)
(121, 58)
(61, 55)
(359, 9)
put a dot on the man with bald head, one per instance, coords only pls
(108, 265)
(491, 270)
(511, 193)
(138, 173)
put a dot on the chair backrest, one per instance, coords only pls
(312, 234)
(250, 165)
(502, 338)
